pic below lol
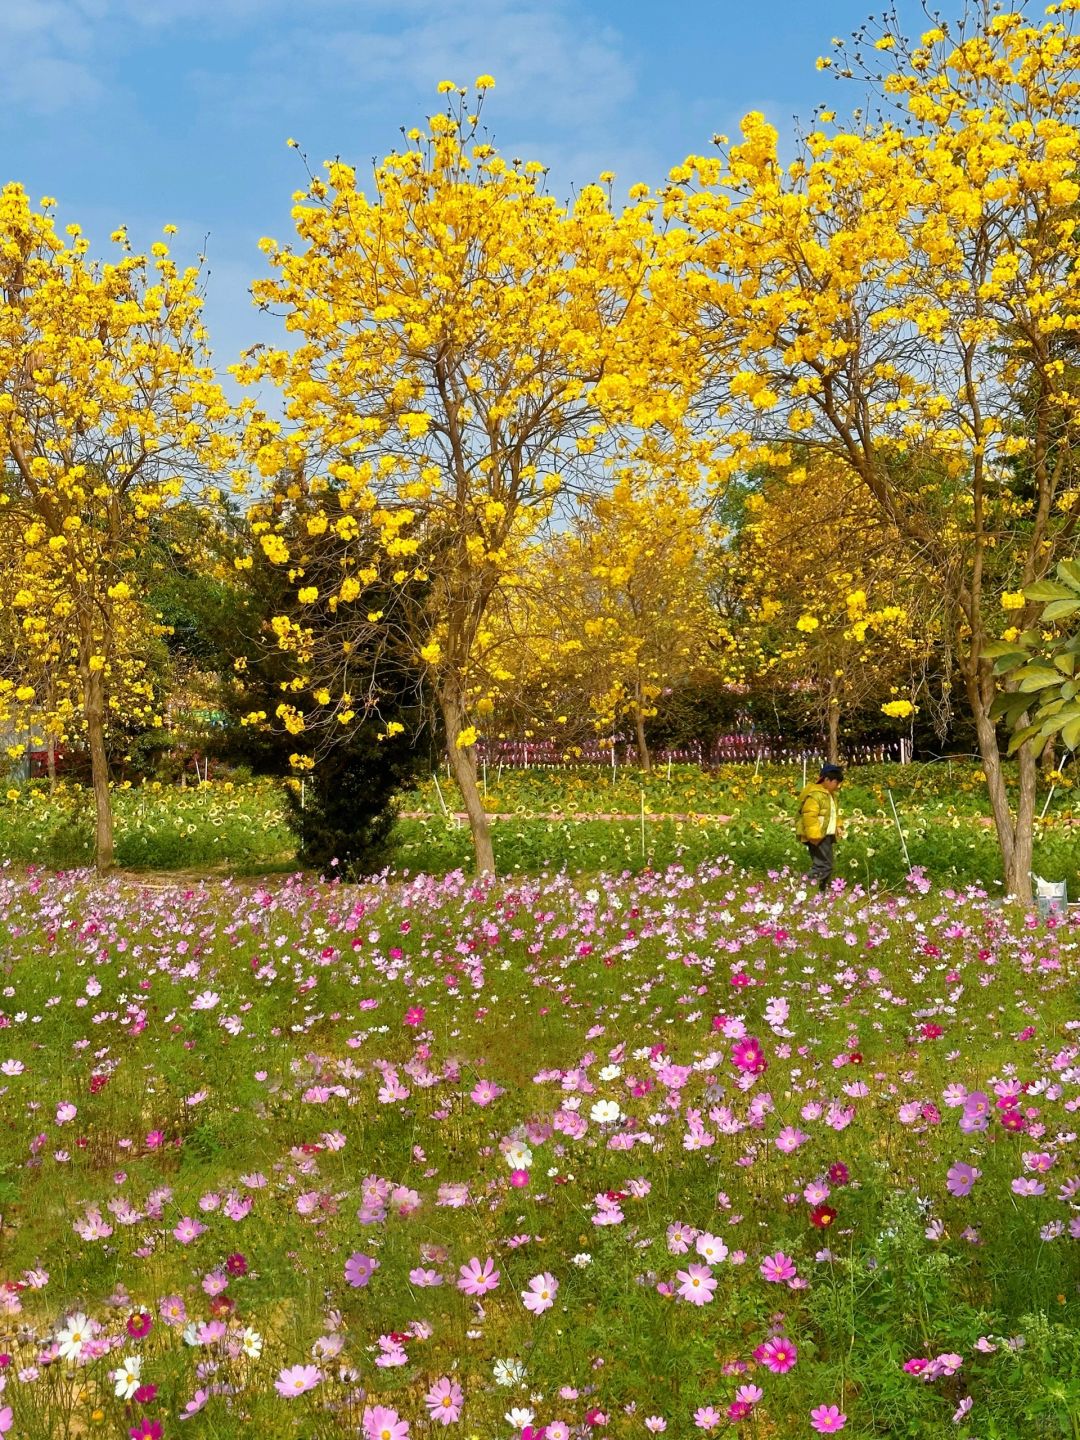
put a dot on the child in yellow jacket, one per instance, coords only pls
(818, 823)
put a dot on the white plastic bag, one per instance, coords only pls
(1051, 896)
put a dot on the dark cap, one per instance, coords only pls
(831, 772)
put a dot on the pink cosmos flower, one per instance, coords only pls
(382, 1423)
(961, 1178)
(477, 1278)
(485, 1091)
(711, 1249)
(696, 1284)
(195, 1404)
(827, 1419)
(444, 1401)
(188, 1230)
(790, 1138)
(679, 1238)
(425, 1279)
(541, 1293)
(707, 1418)
(296, 1379)
(146, 1429)
(777, 1268)
(777, 1354)
(7, 1419)
(359, 1269)
(655, 1424)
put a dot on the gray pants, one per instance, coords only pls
(821, 856)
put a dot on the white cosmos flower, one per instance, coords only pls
(518, 1417)
(605, 1112)
(518, 1156)
(252, 1343)
(73, 1337)
(509, 1372)
(127, 1377)
(611, 1072)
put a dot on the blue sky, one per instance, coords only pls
(150, 112)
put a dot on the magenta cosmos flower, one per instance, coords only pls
(443, 1401)
(777, 1354)
(827, 1419)
(382, 1423)
(296, 1379)
(696, 1284)
(477, 1278)
(541, 1293)
(777, 1268)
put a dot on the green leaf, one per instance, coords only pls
(1006, 649)
(1049, 590)
(1070, 733)
(1037, 677)
(1065, 660)
(1069, 570)
(1029, 732)
(1009, 707)
(1059, 609)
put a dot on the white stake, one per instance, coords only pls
(899, 831)
(438, 791)
(1048, 799)
(643, 823)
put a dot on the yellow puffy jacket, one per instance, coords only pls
(815, 807)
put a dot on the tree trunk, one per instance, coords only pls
(1015, 844)
(644, 758)
(94, 714)
(50, 761)
(463, 767)
(1018, 879)
(834, 733)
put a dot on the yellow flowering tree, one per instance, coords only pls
(822, 598)
(108, 406)
(466, 351)
(902, 296)
(625, 601)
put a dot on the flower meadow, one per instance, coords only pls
(676, 1152)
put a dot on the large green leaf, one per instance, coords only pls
(1070, 733)
(1037, 677)
(1069, 570)
(1029, 732)
(1059, 609)
(1008, 660)
(1049, 590)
